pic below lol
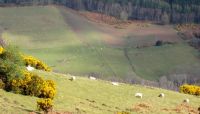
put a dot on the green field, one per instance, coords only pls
(99, 97)
(71, 44)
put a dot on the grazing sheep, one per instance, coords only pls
(138, 95)
(186, 100)
(29, 68)
(92, 78)
(72, 78)
(161, 95)
(115, 83)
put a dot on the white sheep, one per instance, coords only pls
(72, 78)
(161, 95)
(30, 68)
(138, 95)
(115, 83)
(186, 100)
(92, 78)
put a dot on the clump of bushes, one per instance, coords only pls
(159, 43)
(2, 84)
(196, 34)
(45, 105)
(190, 89)
(36, 63)
(14, 77)
(34, 85)
(181, 27)
(1, 50)
(10, 65)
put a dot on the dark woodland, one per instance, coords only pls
(160, 11)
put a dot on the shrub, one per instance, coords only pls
(41, 88)
(10, 65)
(47, 89)
(21, 85)
(190, 89)
(2, 84)
(197, 34)
(159, 43)
(1, 50)
(45, 105)
(12, 54)
(34, 85)
(9, 71)
(30, 60)
(14, 78)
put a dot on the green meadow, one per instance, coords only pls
(69, 43)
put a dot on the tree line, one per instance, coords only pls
(164, 11)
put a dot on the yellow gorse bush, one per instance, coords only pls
(15, 78)
(48, 89)
(44, 104)
(22, 85)
(1, 50)
(34, 62)
(190, 89)
(34, 85)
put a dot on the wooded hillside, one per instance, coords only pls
(165, 11)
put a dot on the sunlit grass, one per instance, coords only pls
(85, 95)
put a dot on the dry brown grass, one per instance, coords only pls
(147, 108)
(105, 19)
(142, 108)
(188, 30)
(185, 108)
(182, 108)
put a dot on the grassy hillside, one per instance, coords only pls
(100, 97)
(159, 61)
(71, 44)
